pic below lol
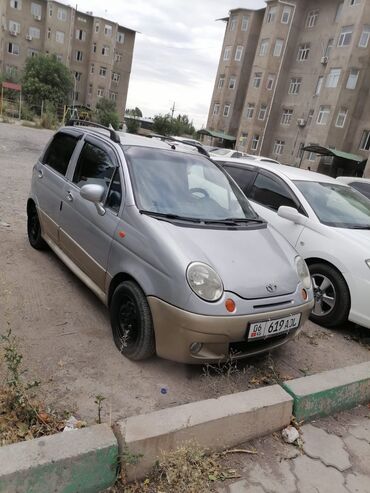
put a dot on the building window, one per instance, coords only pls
(49, 33)
(300, 150)
(364, 38)
(221, 82)
(333, 77)
(32, 52)
(100, 92)
(255, 142)
(79, 56)
(76, 95)
(108, 30)
(250, 110)
(341, 118)
(16, 4)
(216, 109)
(312, 18)
(310, 117)
(78, 76)
(303, 52)
(271, 15)
(233, 22)
(97, 27)
(80, 34)
(113, 96)
(226, 110)
(13, 49)
(270, 82)
(36, 11)
(339, 11)
(34, 32)
(278, 147)
(311, 156)
(365, 141)
(61, 14)
(59, 38)
(227, 53)
(329, 47)
(354, 2)
(115, 77)
(352, 78)
(278, 48)
(245, 23)
(105, 50)
(232, 82)
(285, 16)
(345, 36)
(120, 38)
(103, 71)
(286, 117)
(264, 47)
(118, 57)
(92, 68)
(94, 47)
(243, 139)
(323, 116)
(320, 80)
(238, 53)
(294, 85)
(14, 27)
(82, 19)
(257, 79)
(262, 112)
(90, 89)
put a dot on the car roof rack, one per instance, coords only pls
(200, 148)
(85, 123)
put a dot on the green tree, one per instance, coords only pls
(166, 125)
(106, 113)
(182, 125)
(134, 112)
(132, 125)
(45, 78)
(163, 124)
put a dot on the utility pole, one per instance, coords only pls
(173, 110)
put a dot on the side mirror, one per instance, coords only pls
(94, 193)
(292, 215)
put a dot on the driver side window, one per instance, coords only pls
(271, 193)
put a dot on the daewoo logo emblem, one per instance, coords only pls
(271, 288)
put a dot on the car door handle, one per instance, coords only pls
(40, 173)
(69, 197)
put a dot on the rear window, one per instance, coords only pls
(59, 152)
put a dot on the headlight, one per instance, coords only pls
(204, 281)
(368, 262)
(303, 272)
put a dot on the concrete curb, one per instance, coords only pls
(329, 392)
(214, 424)
(83, 461)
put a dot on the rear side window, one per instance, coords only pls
(94, 166)
(244, 177)
(59, 152)
(271, 193)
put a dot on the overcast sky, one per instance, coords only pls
(176, 52)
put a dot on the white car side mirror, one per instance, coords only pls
(94, 193)
(292, 215)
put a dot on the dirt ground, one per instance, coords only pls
(65, 333)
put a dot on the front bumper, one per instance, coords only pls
(221, 336)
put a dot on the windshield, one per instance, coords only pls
(184, 185)
(337, 205)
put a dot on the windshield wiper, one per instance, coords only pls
(234, 221)
(360, 227)
(169, 216)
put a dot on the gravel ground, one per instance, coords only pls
(65, 333)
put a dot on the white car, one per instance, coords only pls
(329, 225)
(362, 185)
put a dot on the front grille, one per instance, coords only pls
(245, 347)
(274, 305)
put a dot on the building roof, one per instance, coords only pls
(217, 134)
(326, 151)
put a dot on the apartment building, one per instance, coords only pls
(97, 51)
(304, 80)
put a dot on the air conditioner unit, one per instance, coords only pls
(29, 37)
(13, 33)
(301, 122)
(324, 60)
(37, 17)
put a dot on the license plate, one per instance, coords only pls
(270, 328)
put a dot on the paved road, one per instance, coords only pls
(334, 458)
(65, 333)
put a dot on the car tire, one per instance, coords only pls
(131, 321)
(34, 229)
(332, 297)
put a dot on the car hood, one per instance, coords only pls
(247, 260)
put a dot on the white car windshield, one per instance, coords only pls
(337, 205)
(188, 186)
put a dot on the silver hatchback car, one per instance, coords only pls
(169, 243)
